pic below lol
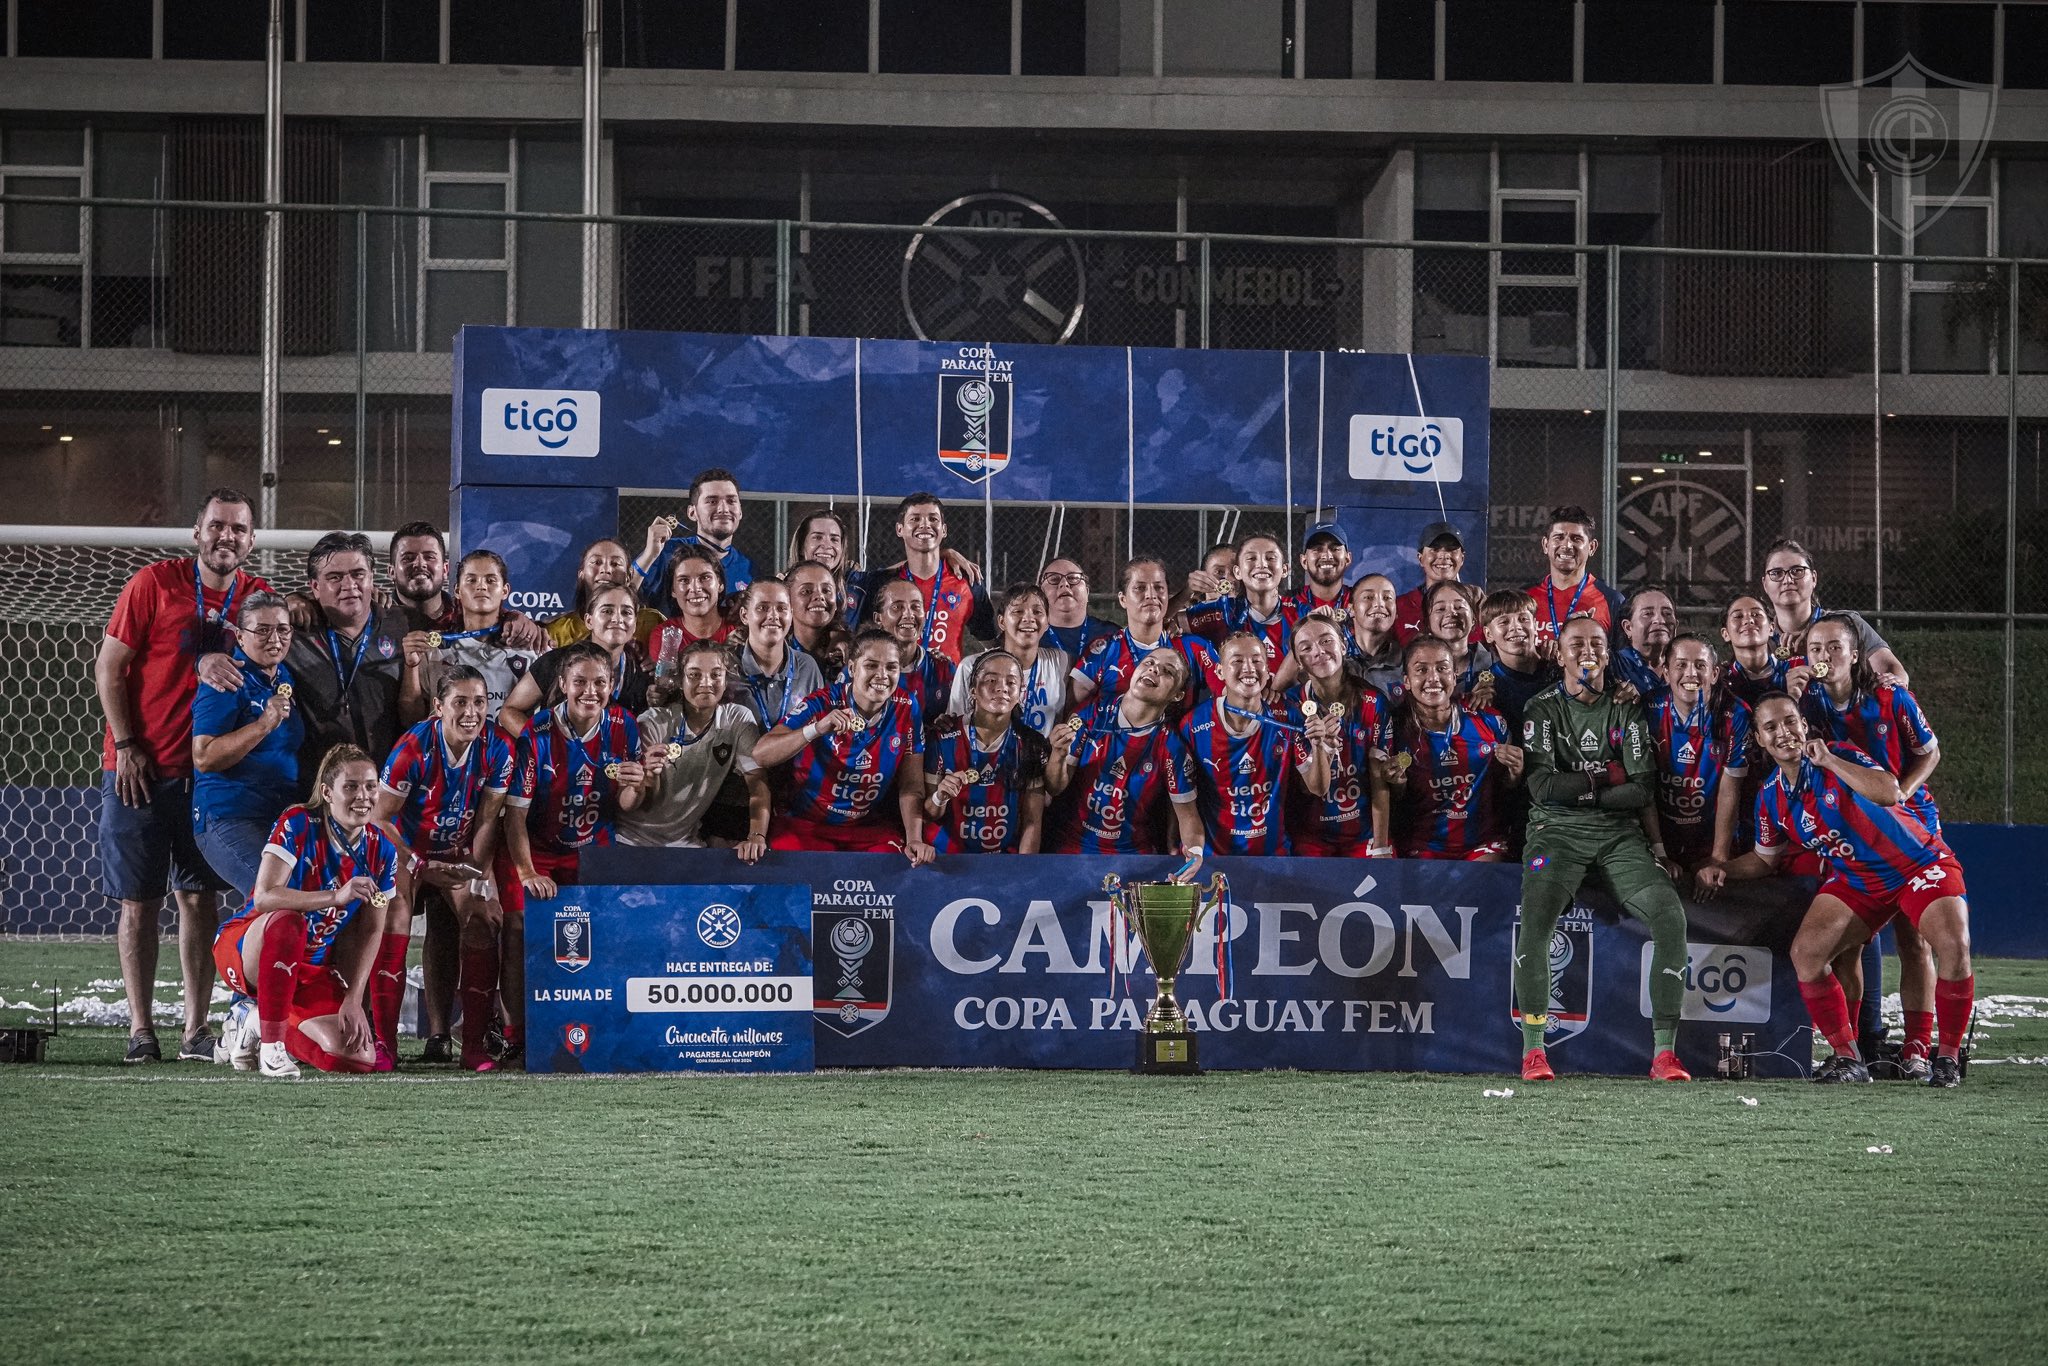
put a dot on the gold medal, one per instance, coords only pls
(611, 770)
(1402, 761)
(1309, 707)
(379, 900)
(433, 640)
(1820, 668)
(675, 750)
(1783, 651)
(1337, 710)
(284, 690)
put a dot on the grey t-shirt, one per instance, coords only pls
(501, 665)
(764, 694)
(673, 808)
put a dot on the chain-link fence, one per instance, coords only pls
(1888, 413)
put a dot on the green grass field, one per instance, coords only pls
(184, 1213)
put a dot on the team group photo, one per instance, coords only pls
(1048, 680)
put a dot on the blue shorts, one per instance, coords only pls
(145, 850)
(233, 847)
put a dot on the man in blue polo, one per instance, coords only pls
(714, 512)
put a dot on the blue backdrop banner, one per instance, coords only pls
(1341, 965)
(670, 979)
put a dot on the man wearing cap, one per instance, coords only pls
(1325, 555)
(1440, 550)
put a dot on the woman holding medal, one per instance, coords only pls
(609, 617)
(1754, 668)
(1022, 621)
(697, 583)
(855, 745)
(702, 739)
(575, 768)
(1446, 764)
(304, 948)
(1108, 765)
(443, 790)
(1791, 583)
(1701, 735)
(1230, 759)
(985, 772)
(1351, 819)
(245, 746)
(1448, 615)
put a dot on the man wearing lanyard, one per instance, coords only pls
(167, 629)
(349, 666)
(954, 602)
(1570, 587)
(419, 579)
(714, 512)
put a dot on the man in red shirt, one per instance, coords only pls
(170, 617)
(955, 601)
(1570, 587)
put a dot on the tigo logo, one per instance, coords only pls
(1408, 449)
(1722, 982)
(540, 422)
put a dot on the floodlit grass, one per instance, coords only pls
(182, 1212)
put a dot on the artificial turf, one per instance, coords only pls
(183, 1212)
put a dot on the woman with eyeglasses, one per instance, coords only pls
(245, 746)
(610, 616)
(1790, 584)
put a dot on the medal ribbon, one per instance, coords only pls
(347, 678)
(227, 605)
(759, 688)
(457, 777)
(1226, 966)
(1550, 601)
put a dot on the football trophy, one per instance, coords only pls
(1164, 915)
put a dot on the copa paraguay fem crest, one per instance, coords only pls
(974, 423)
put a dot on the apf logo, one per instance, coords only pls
(718, 925)
(539, 422)
(1408, 450)
(1722, 982)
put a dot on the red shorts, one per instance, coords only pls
(794, 833)
(1928, 886)
(227, 952)
(563, 869)
(1308, 846)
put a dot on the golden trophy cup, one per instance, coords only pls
(1164, 916)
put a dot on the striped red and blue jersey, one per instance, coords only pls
(1875, 849)
(1555, 606)
(1075, 640)
(442, 795)
(1343, 817)
(559, 778)
(1694, 751)
(953, 607)
(322, 859)
(1117, 800)
(1749, 690)
(1111, 661)
(845, 779)
(1216, 620)
(1449, 809)
(983, 817)
(1236, 781)
(929, 682)
(1303, 601)
(1885, 723)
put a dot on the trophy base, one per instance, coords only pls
(1169, 1055)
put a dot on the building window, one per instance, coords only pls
(1952, 309)
(466, 264)
(83, 28)
(516, 32)
(1951, 40)
(945, 37)
(1404, 40)
(373, 31)
(2026, 47)
(676, 35)
(1055, 37)
(1508, 40)
(1682, 53)
(818, 35)
(1787, 42)
(222, 30)
(44, 247)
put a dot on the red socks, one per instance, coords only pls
(1830, 1011)
(301, 1046)
(1952, 1001)
(387, 988)
(479, 984)
(282, 950)
(1919, 1034)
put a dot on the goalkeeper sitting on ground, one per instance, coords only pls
(1591, 774)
